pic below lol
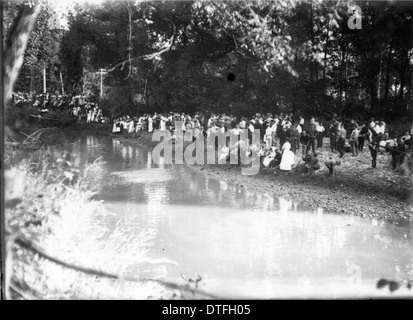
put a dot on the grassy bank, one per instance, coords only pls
(60, 245)
(355, 189)
(55, 231)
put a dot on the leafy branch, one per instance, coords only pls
(150, 56)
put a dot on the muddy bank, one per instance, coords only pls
(355, 189)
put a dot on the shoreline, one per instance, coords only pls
(356, 188)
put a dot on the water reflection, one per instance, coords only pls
(244, 243)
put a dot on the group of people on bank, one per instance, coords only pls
(78, 106)
(281, 137)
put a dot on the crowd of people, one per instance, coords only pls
(73, 105)
(282, 136)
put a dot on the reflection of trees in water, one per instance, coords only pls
(279, 242)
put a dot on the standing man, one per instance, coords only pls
(320, 134)
(295, 137)
(333, 135)
(363, 136)
(354, 141)
(341, 139)
(304, 142)
(258, 126)
(312, 137)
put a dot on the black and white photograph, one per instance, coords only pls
(206, 150)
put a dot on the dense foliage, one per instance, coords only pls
(238, 57)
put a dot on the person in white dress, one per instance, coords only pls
(163, 124)
(131, 126)
(287, 159)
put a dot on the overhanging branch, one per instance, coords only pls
(22, 241)
(150, 56)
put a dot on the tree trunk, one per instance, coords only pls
(325, 51)
(16, 46)
(312, 41)
(379, 76)
(31, 80)
(259, 93)
(342, 68)
(404, 63)
(387, 88)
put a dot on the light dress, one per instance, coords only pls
(287, 159)
(150, 125)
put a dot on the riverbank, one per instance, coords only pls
(35, 136)
(356, 188)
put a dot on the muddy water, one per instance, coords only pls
(243, 244)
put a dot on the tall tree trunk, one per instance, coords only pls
(373, 95)
(312, 41)
(342, 68)
(387, 88)
(403, 68)
(31, 80)
(3, 283)
(16, 46)
(259, 93)
(379, 76)
(325, 51)
(12, 59)
(345, 82)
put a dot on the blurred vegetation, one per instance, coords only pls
(59, 242)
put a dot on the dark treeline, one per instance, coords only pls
(239, 57)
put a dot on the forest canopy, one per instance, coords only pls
(308, 57)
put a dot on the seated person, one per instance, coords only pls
(273, 158)
(311, 163)
(262, 153)
(268, 158)
(278, 157)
